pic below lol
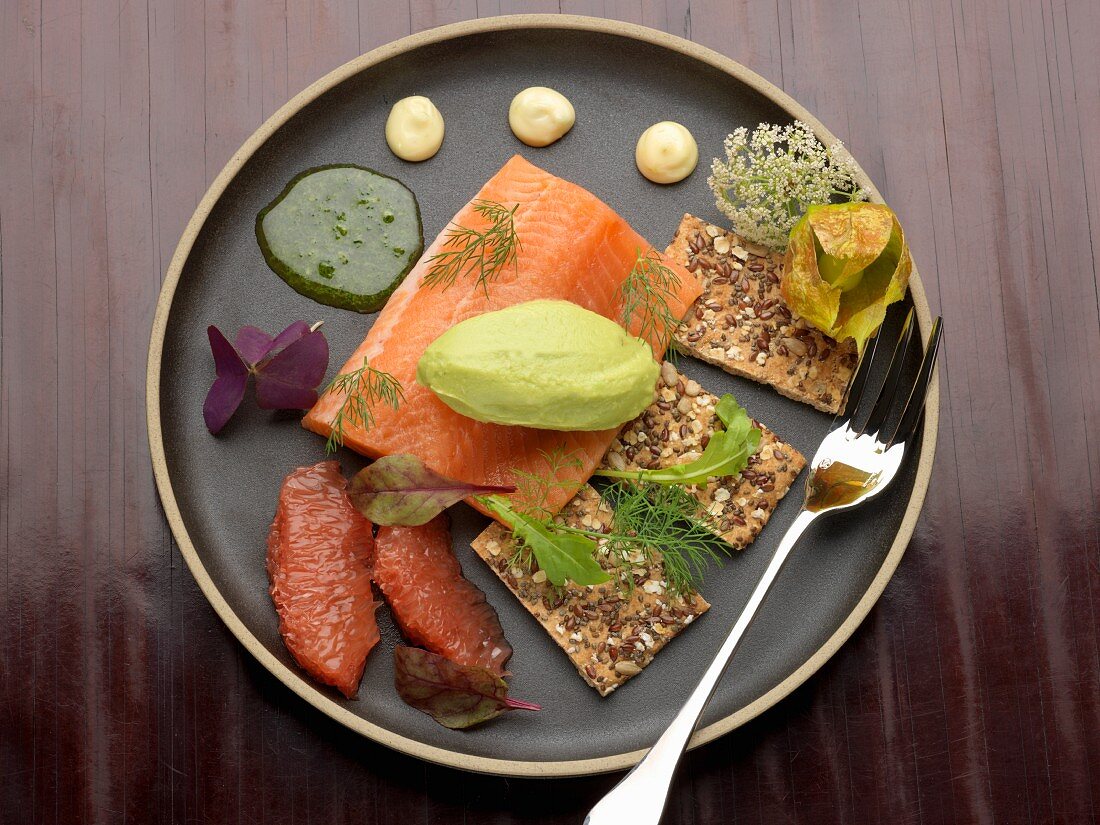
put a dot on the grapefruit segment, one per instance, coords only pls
(432, 603)
(319, 553)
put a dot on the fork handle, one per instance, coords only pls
(641, 795)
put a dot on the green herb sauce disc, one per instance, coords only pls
(342, 235)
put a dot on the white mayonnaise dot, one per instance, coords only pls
(666, 152)
(414, 129)
(539, 116)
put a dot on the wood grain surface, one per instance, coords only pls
(970, 695)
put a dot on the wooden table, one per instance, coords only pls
(971, 694)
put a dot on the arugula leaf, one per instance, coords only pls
(726, 454)
(729, 411)
(562, 556)
(456, 696)
(400, 490)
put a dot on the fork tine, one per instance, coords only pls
(886, 394)
(915, 405)
(856, 386)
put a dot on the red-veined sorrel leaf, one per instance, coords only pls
(400, 490)
(456, 696)
(287, 367)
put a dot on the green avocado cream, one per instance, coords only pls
(551, 365)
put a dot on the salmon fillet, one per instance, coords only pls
(573, 247)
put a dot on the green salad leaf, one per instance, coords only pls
(562, 556)
(726, 454)
(846, 262)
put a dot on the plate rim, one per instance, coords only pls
(295, 681)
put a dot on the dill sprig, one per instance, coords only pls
(533, 489)
(653, 521)
(484, 253)
(649, 523)
(362, 389)
(644, 297)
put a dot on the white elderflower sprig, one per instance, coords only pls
(770, 176)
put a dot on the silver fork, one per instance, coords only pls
(853, 465)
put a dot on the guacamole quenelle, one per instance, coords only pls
(551, 365)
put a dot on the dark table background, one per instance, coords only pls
(970, 694)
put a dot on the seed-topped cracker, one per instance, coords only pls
(676, 429)
(741, 323)
(609, 632)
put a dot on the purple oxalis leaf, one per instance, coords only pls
(288, 369)
(228, 389)
(289, 379)
(253, 344)
(290, 335)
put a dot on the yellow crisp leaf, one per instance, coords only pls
(803, 288)
(850, 236)
(844, 265)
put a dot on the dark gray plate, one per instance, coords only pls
(225, 488)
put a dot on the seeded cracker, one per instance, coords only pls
(741, 324)
(611, 635)
(676, 428)
(608, 633)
